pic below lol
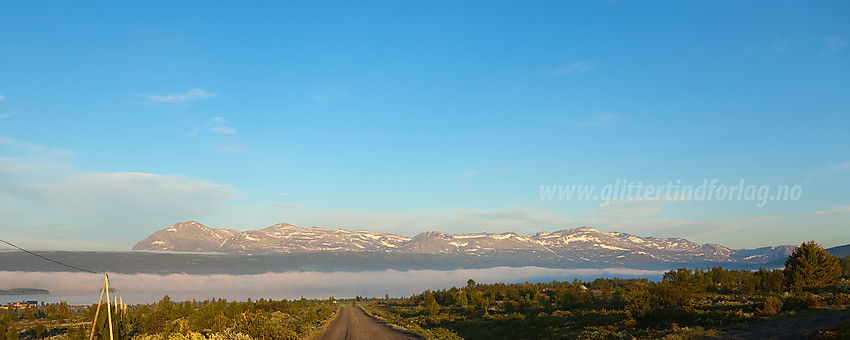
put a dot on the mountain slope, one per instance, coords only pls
(286, 238)
(577, 247)
(188, 236)
(840, 251)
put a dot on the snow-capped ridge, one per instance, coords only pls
(575, 245)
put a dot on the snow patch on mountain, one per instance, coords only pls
(570, 245)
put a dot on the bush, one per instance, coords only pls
(38, 330)
(440, 333)
(12, 333)
(77, 333)
(802, 301)
(837, 299)
(228, 334)
(677, 287)
(175, 336)
(639, 305)
(769, 307)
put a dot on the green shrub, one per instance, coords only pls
(228, 334)
(12, 333)
(38, 330)
(803, 300)
(440, 333)
(639, 304)
(770, 306)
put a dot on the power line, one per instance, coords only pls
(48, 259)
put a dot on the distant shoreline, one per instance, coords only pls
(24, 291)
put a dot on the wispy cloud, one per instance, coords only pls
(234, 148)
(217, 125)
(602, 120)
(20, 159)
(745, 52)
(513, 216)
(837, 211)
(581, 67)
(778, 45)
(8, 166)
(180, 98)
(6, 115)
(469, 175)
(835, 168)
(835, 44)
(330, 95)
(35, 150)
(223, 130)
(626, 210)
(221, 134)
(285, 205)
(828, 172)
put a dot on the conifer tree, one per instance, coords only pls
(811, 266)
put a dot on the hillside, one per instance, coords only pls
(840, 251)
(577, 247)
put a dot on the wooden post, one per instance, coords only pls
(108, 307)
(97, 311)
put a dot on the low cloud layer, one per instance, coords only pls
(147, 288)
(126, 195)
(61, 207)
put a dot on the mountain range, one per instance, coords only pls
(564, 248)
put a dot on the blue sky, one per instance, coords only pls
(117, 120)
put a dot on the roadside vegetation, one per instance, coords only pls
(684, 304)
(169, 320)
(809, 296)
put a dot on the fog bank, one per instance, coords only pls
(147, 288)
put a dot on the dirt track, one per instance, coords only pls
(353, 323)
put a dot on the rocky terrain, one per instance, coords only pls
(578, 245)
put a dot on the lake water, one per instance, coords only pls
(84, 288)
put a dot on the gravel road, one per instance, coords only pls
(353, 323)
